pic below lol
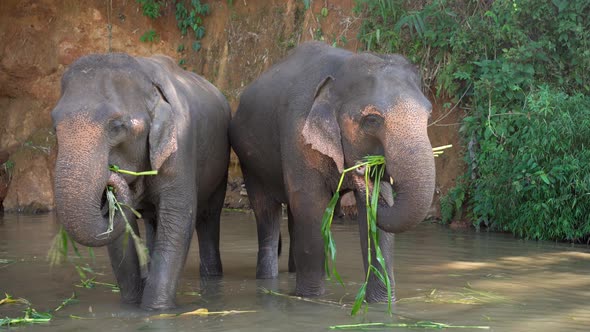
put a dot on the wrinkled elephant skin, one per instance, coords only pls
(142, 114)
(301, 123)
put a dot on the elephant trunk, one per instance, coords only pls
(81, 179)
(413, 173)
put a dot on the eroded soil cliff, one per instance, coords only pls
(40, 38)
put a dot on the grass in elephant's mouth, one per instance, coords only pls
(110, 206)
(114, 206)
(140, 247)
(115, 168)
(374, 172)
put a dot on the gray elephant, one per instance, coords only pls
(301, 123)
(142, 114)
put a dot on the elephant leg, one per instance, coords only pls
(307, 206)
(376, 289)
(268, 216)
(172, 240)
(291, 258)
(126, 266)
(208, 223)
(151, 227)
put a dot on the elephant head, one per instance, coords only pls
(111, 111)
(373, 105)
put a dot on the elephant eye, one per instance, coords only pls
(116, 127)
(372, 122)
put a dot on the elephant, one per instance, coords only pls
(315, 113)
(142, 113)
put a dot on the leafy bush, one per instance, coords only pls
(534, 169)
(191, 18)
(523, 67)
(150, 8)
(149, 36)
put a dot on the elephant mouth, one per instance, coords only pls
(119, 186)
(386, 192)
(104, 204)
(386, 188)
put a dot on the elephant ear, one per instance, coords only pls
(321, 129)
(162, 136)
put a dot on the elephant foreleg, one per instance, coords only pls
(126, 266)
(172, 240)
(376, 289)
(151, 227)
(307, 206)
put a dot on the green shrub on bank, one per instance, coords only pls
(535, 169)
(520, 70)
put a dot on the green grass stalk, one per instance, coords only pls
(70, 300)
(31, 316)
(420, 325)
(374, 171)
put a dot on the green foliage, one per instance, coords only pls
(191, 18)
(150, 8)
(523, 67)
(539, 160)
(8, 168)
(451, 204)
(149, 36)
(307, 4)
(318, 34)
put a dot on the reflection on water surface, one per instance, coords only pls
(452, 277)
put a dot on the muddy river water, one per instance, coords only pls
(461, 278)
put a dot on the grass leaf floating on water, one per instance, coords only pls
(31, 316)
(203, 312)
(467, 296)
(70, 300)
(6, 262)
(8, 299)
(417, 325)
(305, 299)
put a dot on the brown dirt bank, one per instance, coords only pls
(40, 38)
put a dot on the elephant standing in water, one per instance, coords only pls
(300, 124)
(142, 114)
